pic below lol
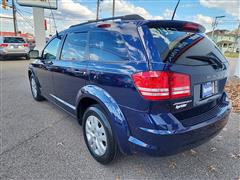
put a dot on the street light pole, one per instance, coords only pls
(215, 23)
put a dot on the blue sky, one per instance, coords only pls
(75, 11)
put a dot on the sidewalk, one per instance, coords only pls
(233, 64)
(233, 90)
(233, 85)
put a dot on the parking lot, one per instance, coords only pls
(39, 141)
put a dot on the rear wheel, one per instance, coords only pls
(98, 135)
(35, 89)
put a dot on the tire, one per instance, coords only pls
(2, 58)
(103, 150)
(27, 57)
(35, 89)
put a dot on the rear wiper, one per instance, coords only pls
(213, 61)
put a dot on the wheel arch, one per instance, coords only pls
(29, 73)
(92, 94)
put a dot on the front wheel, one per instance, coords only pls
(27, 57)
(35, 89)
(98, 135)
(2, 57)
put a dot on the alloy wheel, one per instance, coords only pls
(96, 135)
(34, 87)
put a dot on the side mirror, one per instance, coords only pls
(34, 54)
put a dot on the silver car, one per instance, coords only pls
(13, 46)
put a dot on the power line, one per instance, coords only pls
(24, 18)
(52, 16)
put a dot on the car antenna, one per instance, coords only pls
(174, 12)
(57, 35)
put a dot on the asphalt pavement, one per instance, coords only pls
(40, 141)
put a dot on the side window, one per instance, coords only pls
(74, 47)
(50, 52)
(107, 46)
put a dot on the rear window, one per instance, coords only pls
(13, 40)
(75, 47)
(185, 48)
(107, 46)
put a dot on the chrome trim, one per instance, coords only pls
(153, 89)
(63, 102)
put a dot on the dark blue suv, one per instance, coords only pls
(135, 85)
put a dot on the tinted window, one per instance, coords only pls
(13, 40)
(186, 48)
(74, 47)
(50, 52)
(97, 54)
(107, 46)
(165, 39)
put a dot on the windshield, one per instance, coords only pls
(13, 40)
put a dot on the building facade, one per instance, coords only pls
(227, 41)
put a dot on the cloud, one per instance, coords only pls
(123, 7)
(69, 13)
(206, 21)
(4, 22)
(5, 15)
(73, 12)
(24, 23)
(231, 7)
(168, 13)
(73, 9)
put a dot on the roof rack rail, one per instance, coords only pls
(126, 17)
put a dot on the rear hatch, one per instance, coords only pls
(182, 47)
(14, 44)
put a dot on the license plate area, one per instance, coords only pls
(207, 89)
(15, 46)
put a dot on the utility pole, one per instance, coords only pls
(14, 17)
(113, 9)
(98, 3)
(214, 24)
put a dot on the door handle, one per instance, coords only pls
(80, 72)
(96, 74)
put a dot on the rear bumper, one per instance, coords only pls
(165, 135)
(17, 54)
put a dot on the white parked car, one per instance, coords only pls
(13, 46)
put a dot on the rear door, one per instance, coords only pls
(189, 51)
(70, 70)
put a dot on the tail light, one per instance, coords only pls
(3, 45)
(104, 25)
(25, 45)
(193, 27)
(160, 85)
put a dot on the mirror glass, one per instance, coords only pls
(34, 54)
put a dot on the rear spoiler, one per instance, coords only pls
(179, 25)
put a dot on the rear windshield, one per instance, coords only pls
(187, 48)
(13, 40)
